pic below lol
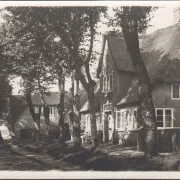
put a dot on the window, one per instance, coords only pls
(108, 83)
(82, 117)
(134, 125)
(164, 117)
(88, 124)
(130, 120)
(98, 122)
(126, 118)
(83, 122)
(38, 110)
(175, 91)
(120, 120)
(50, 110)
(41, 110)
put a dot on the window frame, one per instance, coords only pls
(51, 110)
(122, 124)
(108, 83)
(172, 116)
(88, 123)
(98, 121)
(172, 92)
(38, 109)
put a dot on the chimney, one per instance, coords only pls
(176, 15)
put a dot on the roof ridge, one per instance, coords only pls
(46, 92)
(113, 33)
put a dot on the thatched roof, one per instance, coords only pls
(52, 98)
(131, 95)
(117, 47)
(160, 52)
(17, 106)
(84, 105)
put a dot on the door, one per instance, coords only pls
(110, 127)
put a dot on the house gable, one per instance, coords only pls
(23, 121)
(116, 63)
(117, 51)
(160, 53)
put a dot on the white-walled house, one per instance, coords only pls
(21, 116)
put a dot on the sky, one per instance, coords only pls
(163, 17)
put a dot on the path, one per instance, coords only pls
(14, 158)
(11, 161)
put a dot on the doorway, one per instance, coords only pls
(110, 127)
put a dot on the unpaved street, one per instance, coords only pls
(12, 161)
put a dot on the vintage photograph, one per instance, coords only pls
(89, 87)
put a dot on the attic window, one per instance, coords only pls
(108, 83)
(175, 91)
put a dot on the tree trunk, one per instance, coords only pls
(72, 109)
(146, 106)
(105, 127)
(114, 127)
(10, 122)
(76, 120)
(89, 87)
(91, 98)
(5, 112)
(146, 101)
(45, 113)
(1, 139)
(31, 109)
(61, 82)
(5, 92)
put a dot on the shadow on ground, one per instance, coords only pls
(107, 157)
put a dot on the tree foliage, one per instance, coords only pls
(29, 50)
(141, 15)
(77, 29)
(61, 38)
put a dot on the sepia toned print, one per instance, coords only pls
(90, 88)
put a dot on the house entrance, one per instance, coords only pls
(110, 127)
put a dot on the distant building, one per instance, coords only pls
(85, 123)
(21, 116)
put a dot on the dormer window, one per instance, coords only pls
(175, 91)
(108, 83)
